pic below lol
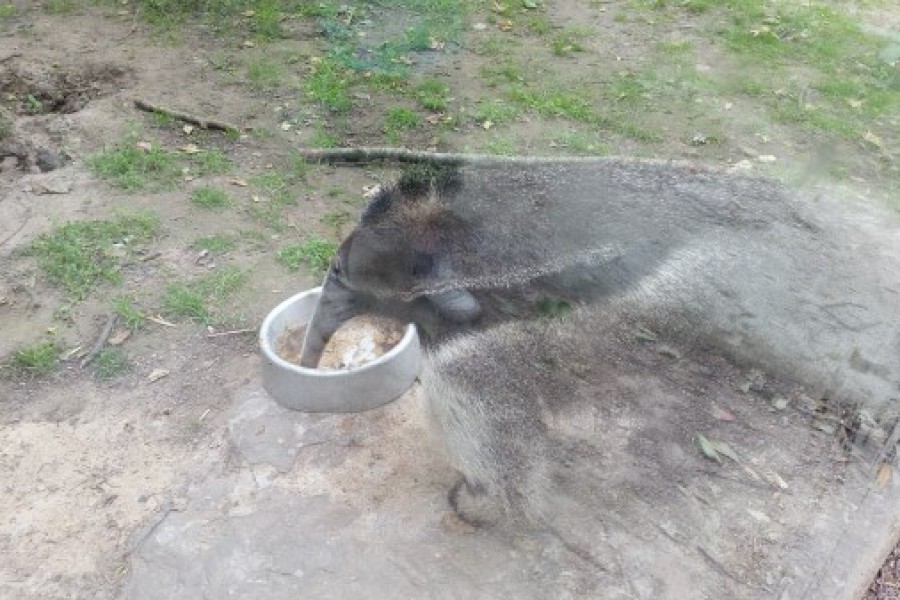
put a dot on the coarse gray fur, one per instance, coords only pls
(797, 285)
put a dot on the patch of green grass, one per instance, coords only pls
(211, 197)
(324, 139)
(496, 74)
(336, 220)
(7, 11)
(60, 7)
(329, 84)
(553, 102)
(502, 146)
(134, 167)
(219, 243)
(315, 253)
(201, 300)
(5, 128)
(111, 363)
(264, 74)
(568, 42)
(399, 119)
(581, 143)
(208, 162)
(496, 112)
(79, 255)
(432, 94)
(129, 314)
(38, 359)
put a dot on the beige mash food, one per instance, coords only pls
(360, 340)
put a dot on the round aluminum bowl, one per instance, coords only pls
(311, 390)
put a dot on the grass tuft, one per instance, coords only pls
(111, 363)
(202, 300)
(315, 253)
(210, 197)
(38, 359)
(78, 256)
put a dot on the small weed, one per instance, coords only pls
(505, 72)
(60, 7)
(551, 102)
(216, 243)
(266, 19)
(209, 162)
(129, 314)
(399, 119)
(315, 253)
(133, 168)
(7, 11)
(210, 197)
(33, 106)
(502, 146)
(324, 139)
(201, 300)
(264, 74)
(578, 142)
(496, 112)
(568, 42)
(79, 255)
(110, 363)
(336, 220)
(432, 95)
(329, 85)
(38, 359)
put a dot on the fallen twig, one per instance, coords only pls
(187, 118)
(232, 332)
(159, 321)
(10, 57)
(101, 341)
(18, 230)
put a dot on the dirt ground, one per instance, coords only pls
(86, 462)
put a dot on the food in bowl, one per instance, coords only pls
(357, 342)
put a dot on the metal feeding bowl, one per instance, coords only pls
(341, 391)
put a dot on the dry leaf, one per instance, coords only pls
(145, 146)
(249, 13)
(238, 182)
(884, 475)
(249, 44)
(119, 336)
(707, 449)
(775, 478)
(874, 140)
(505, 25)
(725, 450)
(188, 129)
(759, 516)
(157, 374)
(855, 103)
(720, 414)
(189, 149)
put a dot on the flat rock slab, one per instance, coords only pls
(351, 506)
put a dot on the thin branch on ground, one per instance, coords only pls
(101, 340)
(186, 117)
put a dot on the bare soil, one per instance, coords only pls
(85, 463)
